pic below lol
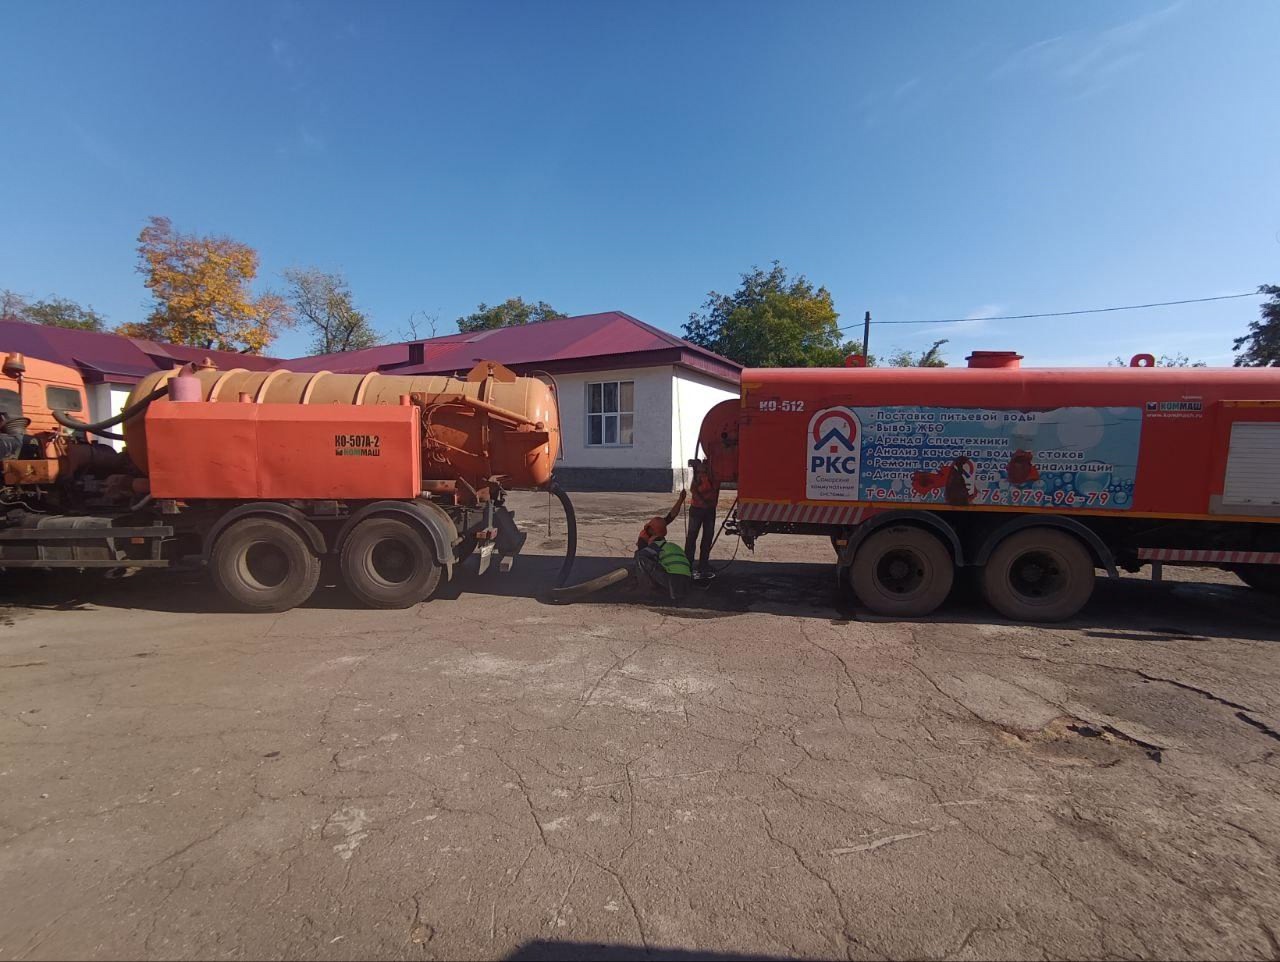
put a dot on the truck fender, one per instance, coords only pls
(266, 509)
(432, 519)
(1101, 553)
(925, 519)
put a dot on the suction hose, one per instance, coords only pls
(137, 407)
(571, 540)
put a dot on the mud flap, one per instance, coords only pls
(510, 538)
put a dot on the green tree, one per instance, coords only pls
(928, 358)
(772, 320)
(1164, 360)
(512, 312)
(1261, 346)
(53, 312)
(60, 312)
(12, 305)
(322, 302)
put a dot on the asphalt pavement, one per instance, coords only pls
(763, 771)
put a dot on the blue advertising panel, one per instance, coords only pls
(1069, 457)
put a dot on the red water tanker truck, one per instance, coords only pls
(1034, 478)
(270, 478)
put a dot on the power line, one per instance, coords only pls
(1092, 310)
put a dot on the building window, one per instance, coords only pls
(62, 399)
(610, 413)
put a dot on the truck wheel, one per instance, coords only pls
(1038, 574)
(389, 563)
(903, 571)
(1265, 578)
(261, 564)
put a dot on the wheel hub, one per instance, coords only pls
(1037, 574)
(391, 561)
(266, 564)
(901, 571)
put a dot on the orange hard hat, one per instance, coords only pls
(656, 527)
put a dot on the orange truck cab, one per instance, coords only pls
(34, 389)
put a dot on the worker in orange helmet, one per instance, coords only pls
(704, 495)
(659, 563)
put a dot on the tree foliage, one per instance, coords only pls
(61, 312)
(322, 302)
(512, 312)
(931, 357)
(1164, 360)
(12, 305)
(203, 292)
(771, 320)
(53, 312)
(1261, 346)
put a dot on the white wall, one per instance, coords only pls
(651, 447)
(692, 396)
(106, 401)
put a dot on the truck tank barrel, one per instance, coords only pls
(466, 439)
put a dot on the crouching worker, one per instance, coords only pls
(660, 564)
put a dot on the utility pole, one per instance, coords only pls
(866, 338)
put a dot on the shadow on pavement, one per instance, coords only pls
(607, 952)
(1125, 610)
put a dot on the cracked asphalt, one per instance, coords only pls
(763, 771)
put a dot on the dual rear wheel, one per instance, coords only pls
(1036, 574)
(265, 565)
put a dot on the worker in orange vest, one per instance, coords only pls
(704, 495)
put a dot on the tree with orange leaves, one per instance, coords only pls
(202, 292)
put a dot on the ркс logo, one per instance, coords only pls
(833, 455)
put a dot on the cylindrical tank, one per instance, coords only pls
(1118, 441)
(464, 437)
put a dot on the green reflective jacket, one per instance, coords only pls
(673, 560)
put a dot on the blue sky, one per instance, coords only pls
(920, 160)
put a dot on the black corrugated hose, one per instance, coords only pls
(571, 524)
(97, 427)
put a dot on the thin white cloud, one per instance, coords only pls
(1087, 63)
(879, 104)
(283, 54)
(1115, 41)
(1030, 55)
(99, 148)
(985, 312)
(310, 140)
(975, 320)
(903, 89)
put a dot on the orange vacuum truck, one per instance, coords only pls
(274, 478)
(1031, 479)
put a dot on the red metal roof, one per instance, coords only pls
(110, 357)
(585, 342)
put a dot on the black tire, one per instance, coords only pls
(902, 571)
(1038, 574)
(389, 563)
(1264, 578)
(261, 564)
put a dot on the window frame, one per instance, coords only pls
(59, 406)
(605, 415)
